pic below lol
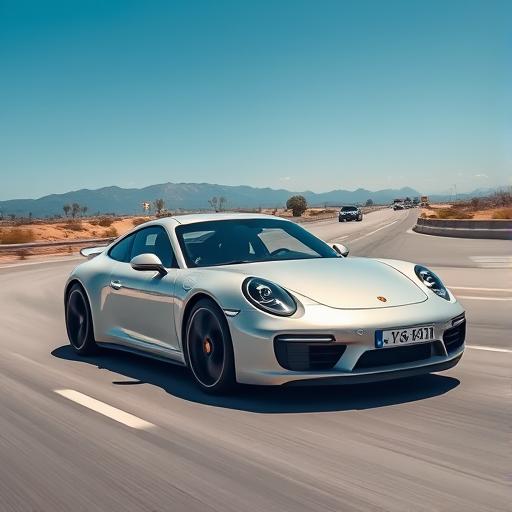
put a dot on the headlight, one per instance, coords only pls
(268, 296)
(432, 281)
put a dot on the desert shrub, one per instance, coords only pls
(23, 221)
(16, 236)
(105, 222)
(74, 225)
(503, 213)
(326, 211)
(110, 232)
(476, 203)
(137, 221)
(502, 198)
(453, 213)
(297, 204)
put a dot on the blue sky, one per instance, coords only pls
(301, 94)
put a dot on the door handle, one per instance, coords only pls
(116, 285)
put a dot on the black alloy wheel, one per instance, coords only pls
(79, 321)
(209, 351)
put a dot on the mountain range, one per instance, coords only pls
(195, 196)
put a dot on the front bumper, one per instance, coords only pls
(254, 334)
(355, 378)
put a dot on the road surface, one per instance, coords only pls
(122, 433)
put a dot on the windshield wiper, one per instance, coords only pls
(233, 262)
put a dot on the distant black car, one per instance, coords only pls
(398, 206)
(350, 213)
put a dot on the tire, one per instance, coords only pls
(79, 324)
(360, 219)
(209, 349)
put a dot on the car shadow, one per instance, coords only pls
(177, 381)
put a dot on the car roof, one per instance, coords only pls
(205, 217)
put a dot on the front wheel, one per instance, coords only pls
(209, 350)
(79, 321)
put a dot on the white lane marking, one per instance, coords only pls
(475, 297)
(107, 410)
(490, 349)
(504, 290)
(28, 263)
(492, 261)
(339, 239)
(375, 231)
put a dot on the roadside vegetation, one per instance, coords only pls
(325, 211)
(297, 204)
(502, 213)
(218, 204)
(16, 236)
(104, 222)
(496, 206)
(110, 232)
(74, 225)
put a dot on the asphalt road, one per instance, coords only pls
(438, 442)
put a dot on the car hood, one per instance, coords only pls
(344, 283)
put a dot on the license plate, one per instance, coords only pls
(398, 337)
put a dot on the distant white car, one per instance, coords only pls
(259, 300)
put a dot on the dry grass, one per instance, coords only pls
(16, 236)
(104, 222)
(502, 213)
(74, 225)
(110, 232)
(453, 213)
(138, 221)
(314, 213)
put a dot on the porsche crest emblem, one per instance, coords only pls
(382, 299)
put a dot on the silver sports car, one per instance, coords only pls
(259, 300)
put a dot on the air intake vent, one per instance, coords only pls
(394, 355)
(454, 337)
(307, 353)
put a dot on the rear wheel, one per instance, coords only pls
(79, 321)
(209, 351)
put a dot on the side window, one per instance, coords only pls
(156, 241)
(122, 250)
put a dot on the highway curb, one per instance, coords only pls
(484, 229)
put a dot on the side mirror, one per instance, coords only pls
(91, 252)
(341, 249)
(148, 261)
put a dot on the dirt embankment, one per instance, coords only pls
(495, 207)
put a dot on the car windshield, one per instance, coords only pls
(349, 209)
(228, 242)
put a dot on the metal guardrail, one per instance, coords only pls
(57, 243)
(92, 241)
